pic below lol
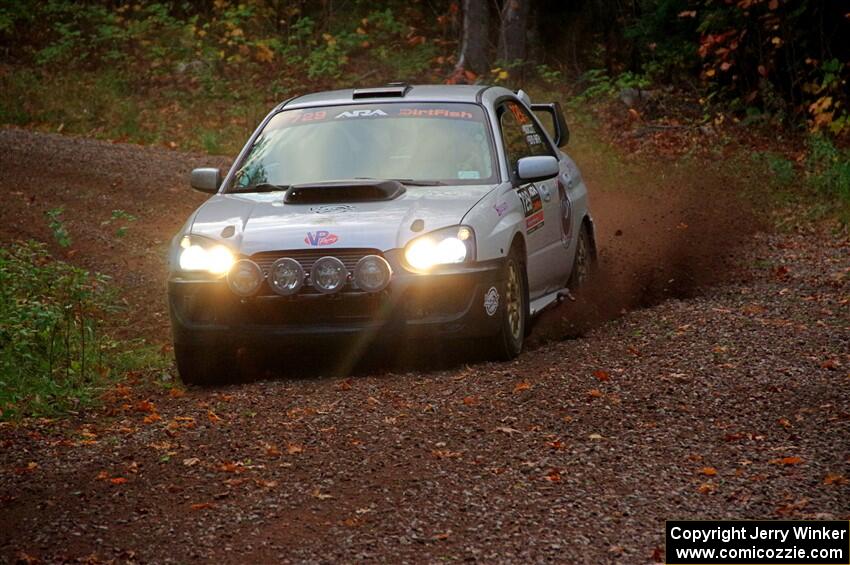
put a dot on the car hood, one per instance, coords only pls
(252, 223)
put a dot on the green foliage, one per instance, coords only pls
(666, 41)
(57, 226)
(548, 75)
(600, 86)
(121, 219)
(828, 167)
(781, 169)
(159, 37)
(52, 349)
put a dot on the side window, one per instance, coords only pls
(521, 136)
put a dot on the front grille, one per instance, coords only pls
(307, 257)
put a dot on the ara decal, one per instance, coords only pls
(320, 238)
(361, 113)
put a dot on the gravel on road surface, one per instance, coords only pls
(710, 401)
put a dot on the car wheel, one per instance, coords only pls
(203, 365)
(582, 262)
(511, 335)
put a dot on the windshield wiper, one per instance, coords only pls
(261, 187)
(412, 182)
(409, 182)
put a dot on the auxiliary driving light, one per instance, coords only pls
(328, 275)
(244, 277)
(372, 273)
(286, 276)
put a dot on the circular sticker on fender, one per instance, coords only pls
(491, 301)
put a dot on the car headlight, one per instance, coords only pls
(442, 247)
(200, 255)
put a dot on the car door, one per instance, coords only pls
(547, 258)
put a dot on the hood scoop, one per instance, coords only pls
(366, 190)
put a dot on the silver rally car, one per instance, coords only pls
(392, 212)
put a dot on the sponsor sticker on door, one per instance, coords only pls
(533, 206)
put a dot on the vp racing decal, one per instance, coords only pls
(320, 238)
(533, 206)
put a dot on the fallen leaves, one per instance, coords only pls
(706, 488)
(834, 479)
(145, 406)
(202, 506)
(191, 461)
(317, 493)
(602, 375)
(29, 468)
(151, 418)
(556, 444)
(521, 386)
(553, 476)
(792, 460)
(709, 471)
(232, 467)
(104, 476)
(507, 430)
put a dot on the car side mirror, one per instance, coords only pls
(555, 122)
(207, 179)
(541, 167)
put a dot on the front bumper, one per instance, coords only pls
(449, 303)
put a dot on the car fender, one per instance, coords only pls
(496, 220)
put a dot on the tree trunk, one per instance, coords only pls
(512, 33)
(475, 46)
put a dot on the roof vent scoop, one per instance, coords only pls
(344, 191)
(392, 90)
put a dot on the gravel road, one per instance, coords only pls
(705, 377)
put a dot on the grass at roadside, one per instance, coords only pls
(56, 353)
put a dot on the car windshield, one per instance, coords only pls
(421, 143)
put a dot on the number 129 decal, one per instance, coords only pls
(532, 204)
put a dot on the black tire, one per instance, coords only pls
(584, 261)
(203, 365)
(509, 341)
